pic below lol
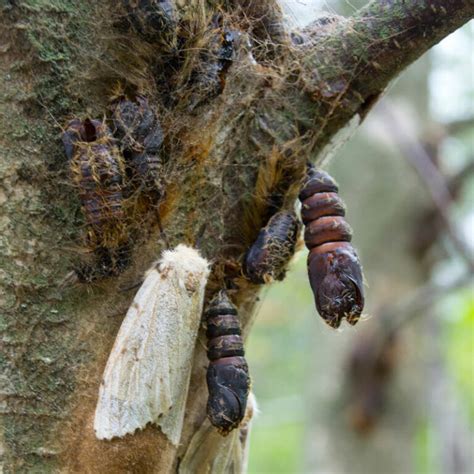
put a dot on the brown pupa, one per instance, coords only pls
(98, 173)
(334, 269)
(228, 380)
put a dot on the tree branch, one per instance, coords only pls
(346, 64)
(431, 177)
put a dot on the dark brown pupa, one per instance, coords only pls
(268, 257)
(140, 134)
(208, 79)
(153, 20)
(97, 171)
(334, 269)
(228, 380)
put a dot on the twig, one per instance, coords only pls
(392, 319)
(456, 182)
(459, 126)
(431, 177)
(360, 55)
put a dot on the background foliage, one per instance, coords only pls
(299, 366)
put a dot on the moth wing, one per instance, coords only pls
(231, 459)
(182, 341)
(147, 375)
(136, 386)
(206, 446)
(245, 430)
(213, 453)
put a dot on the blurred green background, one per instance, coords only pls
(422, 412)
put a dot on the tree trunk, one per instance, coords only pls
(278, 104)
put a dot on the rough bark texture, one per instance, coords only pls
(227, 155)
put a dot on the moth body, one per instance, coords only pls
(147, 374)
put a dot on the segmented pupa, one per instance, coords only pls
(228, 380)
(98, 173)
(208, 79)
(153, 20)
(140, 134)
(268, 257)
(334, 269)
(147, 375)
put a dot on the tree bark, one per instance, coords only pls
(284, 100)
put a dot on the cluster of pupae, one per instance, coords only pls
(98, 169)
(146, 379)
(148, 371)
(106, 168)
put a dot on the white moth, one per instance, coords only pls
(147, 374)
(211, 453)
